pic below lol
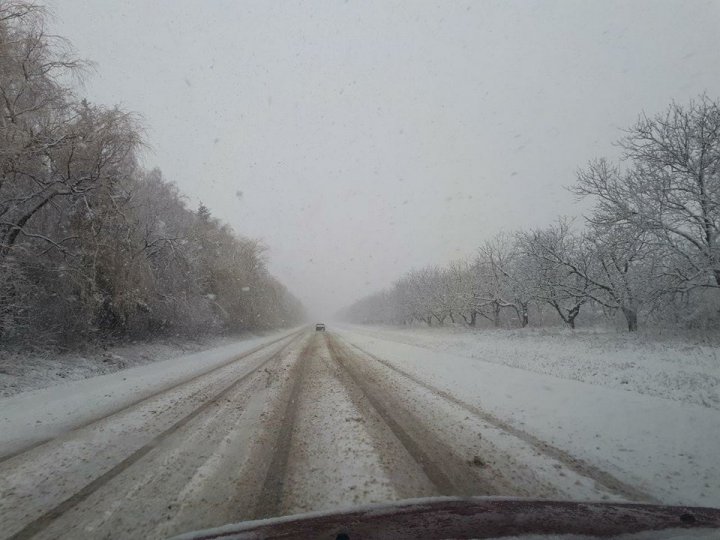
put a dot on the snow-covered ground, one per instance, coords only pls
(44, 413)
(307, 421)
(22, 372)
(681, 369)
(665, 447)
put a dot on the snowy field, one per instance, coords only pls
(680, 369)
(666, 446)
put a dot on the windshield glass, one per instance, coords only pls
(259, 259)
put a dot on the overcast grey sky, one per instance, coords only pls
(361, 139)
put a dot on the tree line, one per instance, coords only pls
(647, 249)
(92, 244)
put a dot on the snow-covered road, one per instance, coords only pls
(665, 448)
(310, 421)
(40, 415)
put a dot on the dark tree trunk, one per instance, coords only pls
(572, 315)
(496, 315)
(631, 318)
(14, 230)
(522, 314)
(568, 319)
(470, 321)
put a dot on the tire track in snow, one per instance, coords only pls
(577, 465)
(42, 522)
(449, 473)
(270, 498)
(144, 398)
(336, 458)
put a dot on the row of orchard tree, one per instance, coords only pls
(91, 244)
(648, 249)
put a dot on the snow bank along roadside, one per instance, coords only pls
(675, 369)
(22, 372)
(664, 447)
(45, 413)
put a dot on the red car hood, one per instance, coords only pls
(479, 517)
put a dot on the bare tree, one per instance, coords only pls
(460, 282)
(652, 239)
(501, 281)
(561, 267)
(624, 271)
(667, 188)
